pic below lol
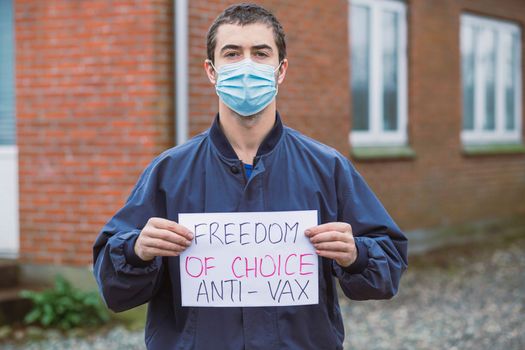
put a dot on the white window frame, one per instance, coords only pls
(376, 136)
(500, 134)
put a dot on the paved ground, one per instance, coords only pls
(453, 299)
(467, 297)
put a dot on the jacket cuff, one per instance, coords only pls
(131, 257)
(362, 258)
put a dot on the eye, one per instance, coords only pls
(231, 54)
(261, 54)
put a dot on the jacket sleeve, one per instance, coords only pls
(382, 247)
(124, 280)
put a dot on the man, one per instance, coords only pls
(247, 162)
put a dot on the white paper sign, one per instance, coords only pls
(249, 259)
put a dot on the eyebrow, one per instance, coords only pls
(262, 47)
(237, 47)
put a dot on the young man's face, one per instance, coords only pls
(235, 43)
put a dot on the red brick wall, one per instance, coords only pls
(94, 105)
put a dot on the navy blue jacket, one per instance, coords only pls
(292, 172)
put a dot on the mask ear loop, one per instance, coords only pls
(278, 67)
(276, 80)
(215, 69)
(210, 62)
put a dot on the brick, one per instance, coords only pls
(94, 70)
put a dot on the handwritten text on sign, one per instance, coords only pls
(249, 259)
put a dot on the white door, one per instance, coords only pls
(9, 241)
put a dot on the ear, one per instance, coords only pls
(210, 71)
(282, 71)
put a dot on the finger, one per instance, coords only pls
(161, 252)
(169, 236)
(160, 222)
(333, 255)
(161, 244)
(171, 226)
(330, 226)
(333, 246)
(331, 236)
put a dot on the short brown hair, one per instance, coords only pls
(244, 14)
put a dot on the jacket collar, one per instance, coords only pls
(223, 145)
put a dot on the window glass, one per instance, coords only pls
(390, 69)
(360, 23)
(7, 76)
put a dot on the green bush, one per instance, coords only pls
(65, 307)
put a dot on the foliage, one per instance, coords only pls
(65, 307)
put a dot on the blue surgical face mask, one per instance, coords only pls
(246, 87)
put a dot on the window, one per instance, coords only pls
(378, 72)
(7, 75)
(490, 55)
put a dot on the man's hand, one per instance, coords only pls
(334, 240)
(162, 237)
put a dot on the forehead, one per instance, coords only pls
(244, 36)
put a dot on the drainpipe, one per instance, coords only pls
(181, 70)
